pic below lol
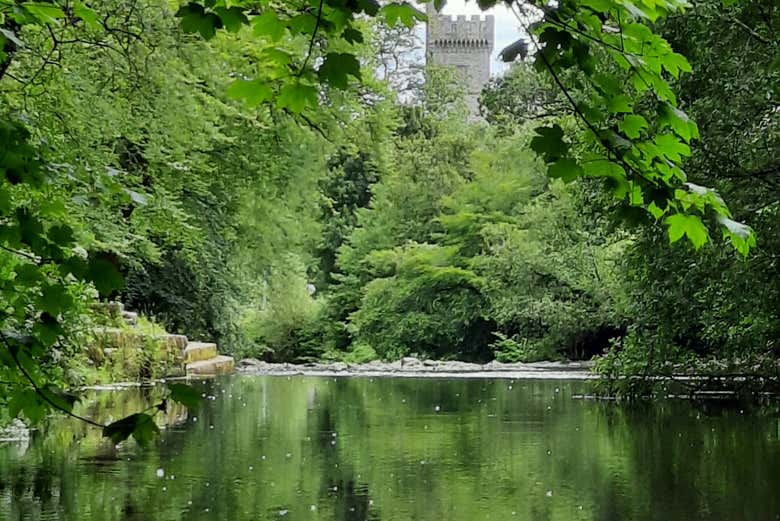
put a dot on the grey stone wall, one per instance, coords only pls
(463, 43)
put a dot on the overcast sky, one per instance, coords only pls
(506, 25)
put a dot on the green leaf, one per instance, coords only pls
(43, 12)
(140, 426)
(370, 7)
(352, 35)
(28, 402)
(675, 63)
(336, 67)
(404, 12)
(47, 330)
(671, 147)
(267, 24)
(10, 36)
(689, 225)
(618, 104)
(513, 50)
(87, 15)
(296, 96)
(195, 19)
(185, 395)
(549, 143)
(565, 168)
(683, 126)
(54, 298)
(233, 18)
(252, 92)
(632, 125)
(104, 275)
(613, 173)
(742, 236)
(635, 197)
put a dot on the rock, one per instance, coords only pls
(174, 343)
(410, 362)
(214, 366)
(16, 431)
(458, 367)
(250, 362)
(199, 351)
(130, 318)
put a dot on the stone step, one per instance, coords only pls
(199, 351)
(218, 365)
(130, 317)
(174, 343)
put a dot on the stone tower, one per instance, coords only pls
(463, 43)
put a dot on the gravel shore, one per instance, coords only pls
(414, 367)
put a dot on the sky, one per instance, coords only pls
(506, 26)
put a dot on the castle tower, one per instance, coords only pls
(463, 43)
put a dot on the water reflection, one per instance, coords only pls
(279, 448)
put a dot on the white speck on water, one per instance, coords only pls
(333, 442)
(203, 395)
(288, 455)
(172, 477)
(208, 484)
(333, 434)
(549, 452)
(251, 468)
(370, 502)
(509, 387)
(160, 473)
(351, 509)
(557, 390)
(437, 408)
(335, 488)
(194, 419)
(313, 508)
(514, 513)
(189, 503)
(422, 462)
(579, 507)
(262, 457)
(283, 513)
(549, 493)
(549, 408)
(206, 510)
(211, 427)
(165, 489)
(403, 400)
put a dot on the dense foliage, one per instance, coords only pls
(244, 172)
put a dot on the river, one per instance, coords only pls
(354, 449)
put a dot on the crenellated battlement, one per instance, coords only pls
(462, 31)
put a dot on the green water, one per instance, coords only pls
(278, 448)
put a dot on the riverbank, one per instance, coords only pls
(413, 367)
